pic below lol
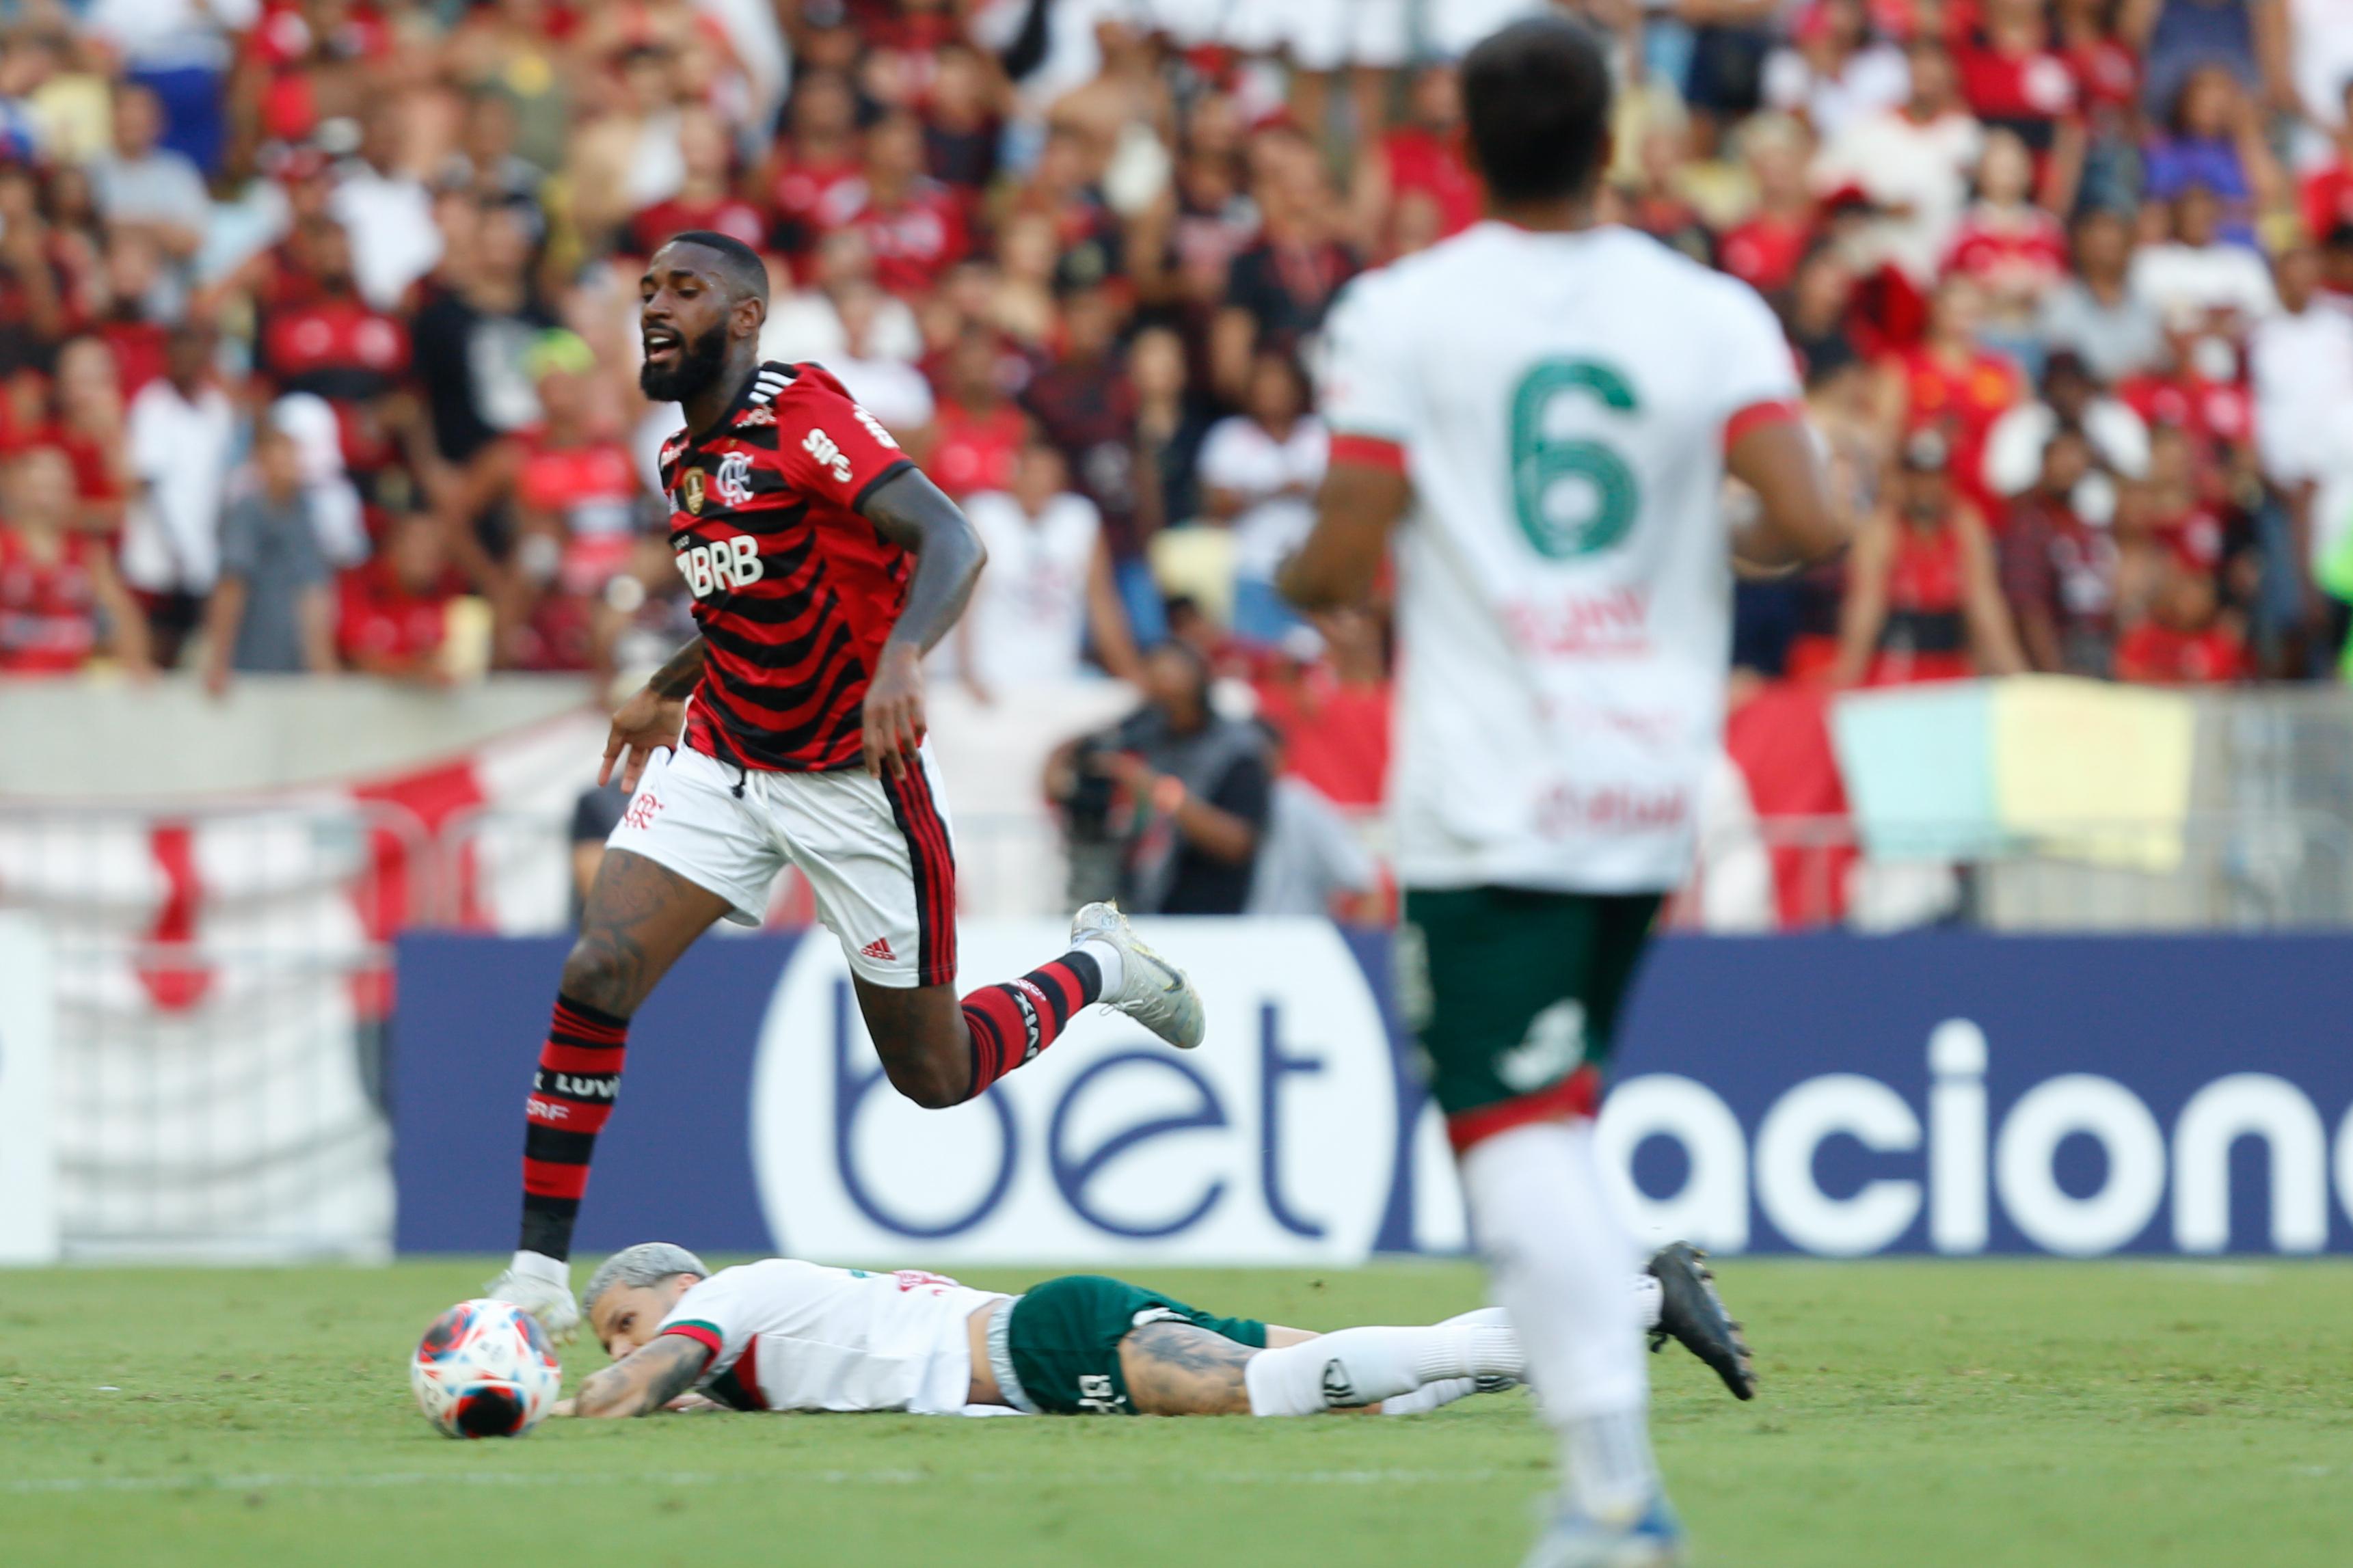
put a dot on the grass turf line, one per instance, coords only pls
(1924, 1413)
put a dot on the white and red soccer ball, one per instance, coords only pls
(484, 1369)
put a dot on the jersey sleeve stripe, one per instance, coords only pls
(704, 1334)
(1756, 416)
(1368, 451)
(858, 502)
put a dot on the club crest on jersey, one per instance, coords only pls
(690, 491)
(734, 481)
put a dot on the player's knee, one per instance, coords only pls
(596, 972)
(930, 1080)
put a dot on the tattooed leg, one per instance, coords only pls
(640, 916)
(1177, 1369)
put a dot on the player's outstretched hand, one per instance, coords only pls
(645, 722)
(894, 712)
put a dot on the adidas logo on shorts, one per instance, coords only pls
(879, 948)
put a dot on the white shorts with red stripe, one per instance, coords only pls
(878, 854)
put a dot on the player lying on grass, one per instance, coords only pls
(788, 1335)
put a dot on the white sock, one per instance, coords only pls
(1370, 1366)
(540, 1265)
(1560, 1259)
(1430, 1396)
(1445, 1391)
(1648, 1295)
(1107, 960)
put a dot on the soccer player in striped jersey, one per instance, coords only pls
(824, 565)
(1542, 410)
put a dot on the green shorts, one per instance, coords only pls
(1056, 1350)
(1514, 996)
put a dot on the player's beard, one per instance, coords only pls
(700, 363)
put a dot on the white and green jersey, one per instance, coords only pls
(787, 1335)
(1561, 403)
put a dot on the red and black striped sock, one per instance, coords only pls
(1013, 1022)
(571, 1100)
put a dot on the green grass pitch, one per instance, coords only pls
(1913, 1413)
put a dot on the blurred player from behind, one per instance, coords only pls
(1542, 409)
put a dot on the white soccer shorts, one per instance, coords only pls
(878, 854)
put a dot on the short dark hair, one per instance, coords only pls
(1537, 96)
(739, 265)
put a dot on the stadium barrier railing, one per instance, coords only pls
(222, 980)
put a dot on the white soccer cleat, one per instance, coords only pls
(1152, 991)
(549, 1300)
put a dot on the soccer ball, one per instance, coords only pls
(484, 1370)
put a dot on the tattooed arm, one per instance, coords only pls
(643, 1380)
(910, 512)
(654, 716)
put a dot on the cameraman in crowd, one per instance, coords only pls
(1166, 808)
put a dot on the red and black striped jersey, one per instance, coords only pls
(795, 590)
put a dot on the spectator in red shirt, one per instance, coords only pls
(2327, 197)
(32, 287)
(1764, 252)
(811, 180)
(1328, 693)
(2015, 78)
(913, 224)
(334, 343)
(2201, 390)
(575, 500)
(978, 429)
(705, 198)
(394, 614)
(57, 585)
(2186, 641)
(2059, 574)
(86, 425)
(1924, 601)
(1418, 163)
(1951, 382)
(2014, 250)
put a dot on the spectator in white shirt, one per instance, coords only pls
(147, 188)
(806, 324)
(1912, 164)
(1259, 470)
(1047, 585)
(387, 212)
(2071, 396)
(888, 388)
(2197, 272)
(2301, 363)
(1834, 72)
(181, 432)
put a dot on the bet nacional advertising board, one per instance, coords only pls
(1939, 1093)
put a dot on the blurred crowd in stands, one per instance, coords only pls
(318, 348)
